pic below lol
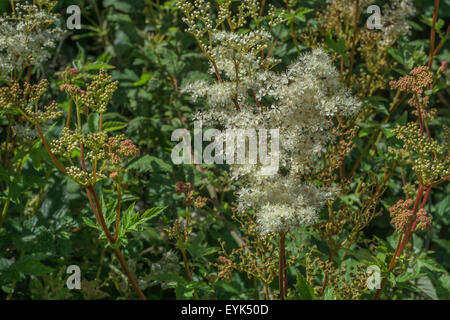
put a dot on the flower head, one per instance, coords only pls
(25, 37)
(300, 102)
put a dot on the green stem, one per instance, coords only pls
(5, 208)
(354, 35)
(69, 115)
(183, 251)
(8, 200)
(282, 266)
(101, 221)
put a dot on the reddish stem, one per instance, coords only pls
(433, 33)
(401, 244)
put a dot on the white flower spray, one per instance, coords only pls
(26, 35)
(301, 102)
(395, 20)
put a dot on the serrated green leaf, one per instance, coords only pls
(90, 223)
(110, 126)
(150, 163)
(329, 294)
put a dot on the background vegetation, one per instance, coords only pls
(143, 45)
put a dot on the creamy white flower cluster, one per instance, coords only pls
(395, 20)
(282, 202)
(25, 37)
(300, 102)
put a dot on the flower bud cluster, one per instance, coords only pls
(12, 97)
(27, 99)
(201, 24)
(428, 157)
(117, 149)
(401, 216)
(66, 144)
(98, 92)
(419, 79)
(51, 112)
(35, 91)
(95, 143)
(424, 221)
(77, 174)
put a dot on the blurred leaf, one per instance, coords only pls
(304, 290)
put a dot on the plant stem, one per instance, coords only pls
(261, 10)
(44, 142)
(325, 281)
(266, 291)
(130, 276)
(186, 265)
(119, 196)
(183, 250)
(442, 42)
(97, 209)
(69, 114)
(433, 33)
(354, 34)
(401, 244)
(101, 221)
(93, 200)
(282, 281)
(5, 208)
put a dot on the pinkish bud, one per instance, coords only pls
(112, 175)
(444, 66)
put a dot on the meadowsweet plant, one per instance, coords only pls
(427, 157)
(377, 50)
(256, 257)
(351, 289)
(26, 36)
(345, 21)
(85, 157)
(181, 230)
(301, 102)
(313, 161)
